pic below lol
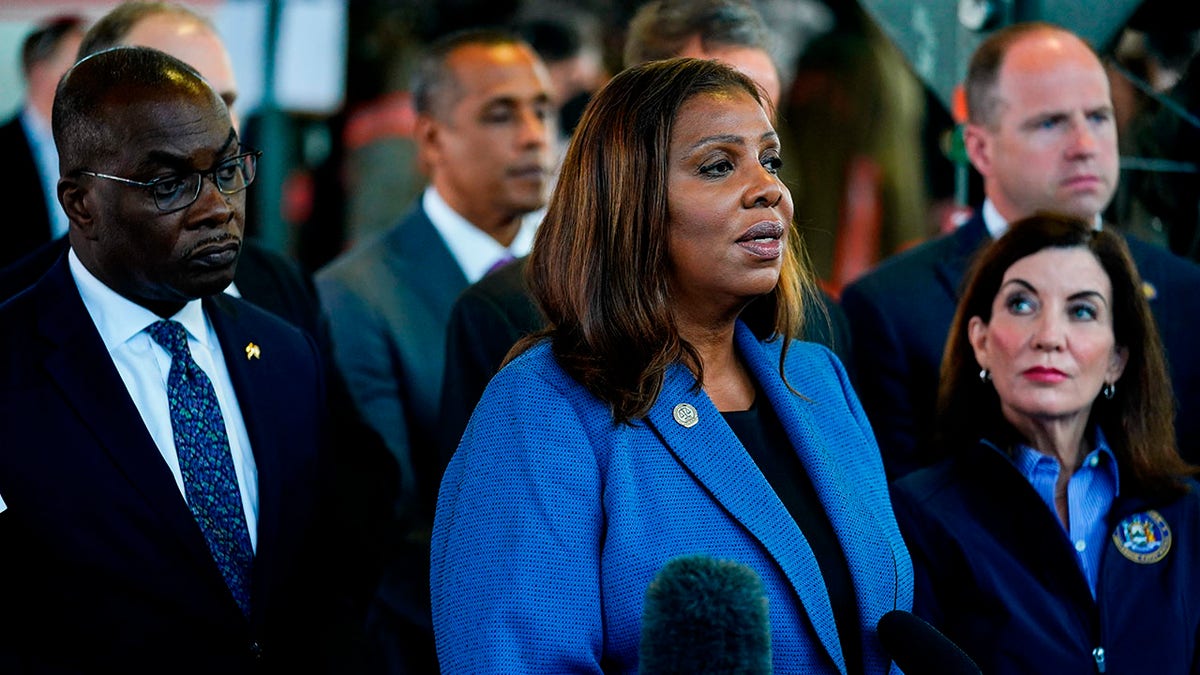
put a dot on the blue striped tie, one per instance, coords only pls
(209, 480)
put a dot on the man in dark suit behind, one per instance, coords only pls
(1042, 135)
(161, 465)
(32, 215)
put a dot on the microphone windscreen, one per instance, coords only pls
(705, 616)
(920, 649)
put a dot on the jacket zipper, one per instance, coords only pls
(1098, 655)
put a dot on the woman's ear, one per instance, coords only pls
(1116, 366)
(977, 332)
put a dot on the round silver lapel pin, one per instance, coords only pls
(686, 415)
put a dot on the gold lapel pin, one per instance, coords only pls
(252, 351)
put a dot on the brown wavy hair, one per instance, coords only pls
(1139, 420)
(599, 268)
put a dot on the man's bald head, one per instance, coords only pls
(116, 76)
(1040, 123)
(983, 72)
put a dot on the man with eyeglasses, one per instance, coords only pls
(175, 192)
(264, 277)
(161, 463)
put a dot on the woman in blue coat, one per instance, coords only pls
(666, 411)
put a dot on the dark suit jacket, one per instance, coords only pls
(389, 301)
(26, 225)
(901, 312)
(492, 314)
(104, 568)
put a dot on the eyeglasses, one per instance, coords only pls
(173, 193)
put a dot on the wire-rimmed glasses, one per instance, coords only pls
(179, 191)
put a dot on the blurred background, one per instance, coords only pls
(868, 113)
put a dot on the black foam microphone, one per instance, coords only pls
(920, 649)
(705, 616)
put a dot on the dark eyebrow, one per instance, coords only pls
(1021, 282)
(732, 139)
(1089, 294)
(513, 101)
(174, 161)
(1074, 296)
(1036, 120)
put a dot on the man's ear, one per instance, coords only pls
(79, 204)
(978, 142)
(427, 133)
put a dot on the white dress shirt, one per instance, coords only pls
(996, 224)
(475, 250)
(45, 156)
(144, 367)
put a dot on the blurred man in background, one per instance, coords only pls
(30, 192)
(484, 132)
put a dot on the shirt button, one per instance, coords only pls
(1080, 545)
(1093, 460)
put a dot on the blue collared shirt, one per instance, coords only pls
(1091, 491)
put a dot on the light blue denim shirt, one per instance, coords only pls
(1091, 491)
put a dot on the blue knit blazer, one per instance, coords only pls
(552, 521)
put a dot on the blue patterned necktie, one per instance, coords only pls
(205, 461)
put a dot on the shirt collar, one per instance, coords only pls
(996, 224)
(474, 250)
(119, 319)
(1101, 458)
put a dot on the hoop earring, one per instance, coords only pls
(985, 375)
(1109, 390)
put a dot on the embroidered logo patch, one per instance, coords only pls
(1143, 537)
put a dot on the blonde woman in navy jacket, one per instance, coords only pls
(665, 411)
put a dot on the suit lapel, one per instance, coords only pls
(1149, 262)
(250, 386)
(858, 530)
(965, 242)
(714, 455)
(81, 367)
(422, 259)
